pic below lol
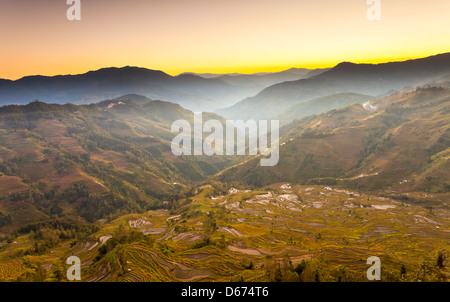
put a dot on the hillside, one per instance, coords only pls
(251, 84)
(254, 83)
(92, 160)
(399, 143)
(134, 97)
(321, 105)
(369, 79)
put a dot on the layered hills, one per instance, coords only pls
(107, 83)
(113, 156)
(189, 90)
(321, 105)
(254, 83)
(400, 142)
(368, 79)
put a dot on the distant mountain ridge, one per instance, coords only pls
(369, 79)
(300, 71)
(189, 90)
(194, 93)
(256, 82)
(252, 84)
(108, 83)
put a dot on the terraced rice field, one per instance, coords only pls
(11, 269)
(333, 229)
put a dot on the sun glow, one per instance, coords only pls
(215, 36)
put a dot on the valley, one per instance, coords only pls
(363, 171)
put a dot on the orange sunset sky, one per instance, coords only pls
(215, 36)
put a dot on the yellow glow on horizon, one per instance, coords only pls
(174, 71)
(207, 36)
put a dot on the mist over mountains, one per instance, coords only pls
(254, 83)
(94, 86)
(369, 79)
(400, 142)
(234, 96)
(189, 90)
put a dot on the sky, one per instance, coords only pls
(215, 36)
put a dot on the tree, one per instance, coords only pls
(40, 274)
(210, 223)
(250, 266)
(4, 219)
(58, 273)
(317, 276)
(440, 262)
(76, 190)
(300, 267)
(278, 274)
(403, 270)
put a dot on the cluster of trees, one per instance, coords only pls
(77, 190)
(395, 115)
(284, 271)
(441, 144)
(95, 206)
(122, 236)
(314, 133)
(429, 270)
(48, 234)
(108, 143)
(371, 144)
(9, 167)
(47, 238)
(4, 219)
(277, 270)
